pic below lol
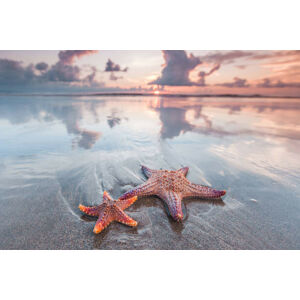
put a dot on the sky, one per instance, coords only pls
(272, 73)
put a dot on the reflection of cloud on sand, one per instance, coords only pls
(86, 139)
(255, 116)
(174, 119)
(113, 121)
(173, 122)
(70, 114)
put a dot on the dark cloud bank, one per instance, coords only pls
(237, 83)
(267, 83)
(14, 75)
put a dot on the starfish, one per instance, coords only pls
(110, 210)
(172, 187)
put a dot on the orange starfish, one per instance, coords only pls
(110, 210)
(172, 187)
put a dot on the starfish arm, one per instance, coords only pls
(148, 172)
(123, 204)
(146, 188)
(120, 216)
(184, 171)
(198, 190)
(173, 201)
(106, 196)
(90, 210)
(103, 221)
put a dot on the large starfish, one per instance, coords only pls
(172, 187)
(110, 210)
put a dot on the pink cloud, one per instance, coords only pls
(68, 56)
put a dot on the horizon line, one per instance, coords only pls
(148, 94)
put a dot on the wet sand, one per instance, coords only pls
(58, 152)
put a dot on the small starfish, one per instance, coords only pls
(110, 210)
(172, 187)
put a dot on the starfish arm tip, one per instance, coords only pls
(133, 223)
(178, 217)
(220, 193)
(97, 229)
(184, 170)
(82, 207)
(147, 171)
(127, 221)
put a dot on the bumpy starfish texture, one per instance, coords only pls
(110, 210)
(172, 187)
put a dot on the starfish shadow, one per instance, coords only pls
(204, 202)
(155, 201)
(87, 218)
(151, 201)
(98, 238)
(118, 231)
(211, 201)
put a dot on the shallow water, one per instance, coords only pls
(57, 152)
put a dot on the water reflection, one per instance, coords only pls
(177, 116)
(113, 120)
(85, 139)
(173, 117)
(22, 111)
(174, 120)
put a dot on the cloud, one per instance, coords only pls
(63, 73)
(68, 56)
(202, 74)
(227, 57)
(241, 67)
(219, 58)
(90, 80)
(112, 67)
(277, 54)
(114, 77)
(14, 73)
(177, 68)
(267, 83)
(282, 64)
(41, 66)
(91, 77)
(237, 83)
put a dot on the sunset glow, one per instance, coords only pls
(272, 73)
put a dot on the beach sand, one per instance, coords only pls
(58, 152)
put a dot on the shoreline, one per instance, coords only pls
(148, 95)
